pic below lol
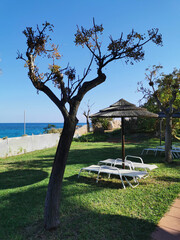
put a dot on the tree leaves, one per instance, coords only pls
(165, 88)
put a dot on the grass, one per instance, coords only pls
(88, 210)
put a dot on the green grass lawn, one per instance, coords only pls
(100, 211)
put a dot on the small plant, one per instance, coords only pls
(20, 150)
(49, 127)
(54, 130)
(92, 137)
(103, 122)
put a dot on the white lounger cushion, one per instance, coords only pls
(144, 165)
(115, 162)
(128, 163)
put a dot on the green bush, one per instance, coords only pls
(51, 128)
(54, 130)
(92, 137)
(104, 122)
(139, 125)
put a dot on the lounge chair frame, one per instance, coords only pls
(115, 171)
(175, 151)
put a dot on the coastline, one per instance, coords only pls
(17, 129)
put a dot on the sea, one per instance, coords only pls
(17, 129)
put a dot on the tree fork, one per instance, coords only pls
(52, 202)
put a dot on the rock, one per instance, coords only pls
(115, 124)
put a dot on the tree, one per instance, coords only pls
(73, 89)
(87, 114)
(49, 127)
(165, 90)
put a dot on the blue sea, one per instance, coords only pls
(17, 129)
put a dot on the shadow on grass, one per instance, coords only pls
(44, 162)
(22, 214)
(21, 210)
(103, 183)
(91, 180)
(21, 178)
(88, 224)
(168, 179)
(87, 156)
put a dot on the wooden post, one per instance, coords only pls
(123, 141)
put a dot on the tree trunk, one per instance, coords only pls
(52, 202)
(168, 139)
(88, 126)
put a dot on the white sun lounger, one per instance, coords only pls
(175, 152)
(115, 171)
(129, 163)
(149, 149)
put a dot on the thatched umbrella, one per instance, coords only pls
(123, 109)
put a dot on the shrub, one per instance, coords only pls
(101, 122)
(92, 137)
(54, 130)
(139, 125)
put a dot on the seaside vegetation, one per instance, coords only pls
(54, 130)
(88, 210)
(51, 128)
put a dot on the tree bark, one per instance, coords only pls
(168, 139)
(52, 202)
(88, 125)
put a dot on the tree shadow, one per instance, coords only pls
(22, 211)
(45, 162)
(168, 179)
(20, 208)
(90, 224)
(103, 183)
(21, 178)
(22, 217)
(114, 183)
(86, 157)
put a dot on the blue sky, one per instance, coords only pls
(16, 91)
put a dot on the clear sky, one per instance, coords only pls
(16, 91)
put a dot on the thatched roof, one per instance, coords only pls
(123, 108)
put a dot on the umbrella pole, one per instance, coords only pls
(123, 141)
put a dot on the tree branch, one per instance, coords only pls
(55, 100)
(87, 86)
(86, 73)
